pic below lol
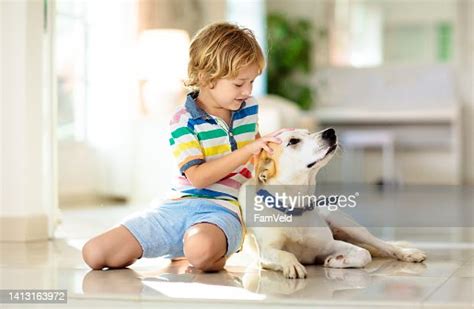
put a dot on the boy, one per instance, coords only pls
(213, 137)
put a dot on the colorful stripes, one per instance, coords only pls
(211, 134)
(245, 128)
(196, 138)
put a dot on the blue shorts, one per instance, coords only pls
(160, 229)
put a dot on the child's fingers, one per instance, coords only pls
(267, 149)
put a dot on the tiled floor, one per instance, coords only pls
(444, 280)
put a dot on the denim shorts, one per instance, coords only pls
(160, 229)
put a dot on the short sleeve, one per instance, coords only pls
(185, 147)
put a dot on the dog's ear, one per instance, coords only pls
(265, 167)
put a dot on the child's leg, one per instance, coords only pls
(205, 246)
(116, 248)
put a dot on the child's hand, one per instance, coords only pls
(261, 143)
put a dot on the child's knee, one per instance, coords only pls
(93, 254)
(205, 252)
(205, 260)
(200, 258)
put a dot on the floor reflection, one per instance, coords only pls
(324, 282)
(177, 278)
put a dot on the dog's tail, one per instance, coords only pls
(250, 247)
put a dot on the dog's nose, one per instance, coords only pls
(329, 135)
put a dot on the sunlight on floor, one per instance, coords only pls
(202, 291)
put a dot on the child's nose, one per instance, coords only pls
(247, 91)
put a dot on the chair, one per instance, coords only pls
(354, 142)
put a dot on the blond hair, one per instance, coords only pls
(220, 50)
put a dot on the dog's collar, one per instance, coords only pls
(297, 211)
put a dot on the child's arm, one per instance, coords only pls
(208, 173)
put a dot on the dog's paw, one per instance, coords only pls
(293, 270)
(412, 255)
(358, 258)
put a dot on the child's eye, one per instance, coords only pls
(236, 85)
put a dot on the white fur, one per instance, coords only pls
(287, 249)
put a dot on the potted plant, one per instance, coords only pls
(289, 59)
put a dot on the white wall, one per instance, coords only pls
(78, 170)
(466, 83)
(26, 200)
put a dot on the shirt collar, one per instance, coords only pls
(193, 108)
(196, 111)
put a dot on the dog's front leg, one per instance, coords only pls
(270, 243)
(284, 261)
(346, 229)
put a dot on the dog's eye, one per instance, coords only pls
(293, 141)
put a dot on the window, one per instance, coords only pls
(71, 68)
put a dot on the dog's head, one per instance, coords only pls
(300, 153)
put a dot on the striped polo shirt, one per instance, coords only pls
(198, 137)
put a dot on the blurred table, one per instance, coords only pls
(427, 137)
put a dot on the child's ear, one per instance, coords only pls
(265, 167)
(204, 80)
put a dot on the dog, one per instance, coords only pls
(334, 239)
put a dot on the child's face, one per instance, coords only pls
(230, 93)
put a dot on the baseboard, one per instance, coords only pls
(23, 228)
